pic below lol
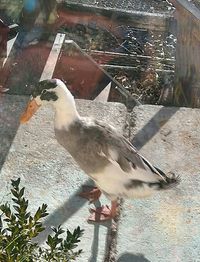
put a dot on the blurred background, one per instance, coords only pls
(141, 51)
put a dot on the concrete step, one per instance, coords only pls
(158, 229)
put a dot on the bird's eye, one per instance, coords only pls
(44, 91)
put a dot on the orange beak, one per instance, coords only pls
(32, 107)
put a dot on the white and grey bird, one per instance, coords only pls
(107, 157)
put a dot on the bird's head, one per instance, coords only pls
(51, 91)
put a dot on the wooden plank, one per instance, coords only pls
(53, 57)
(186, 6)
(187, 69)
(151, 21)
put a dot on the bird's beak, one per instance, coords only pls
(31, 108)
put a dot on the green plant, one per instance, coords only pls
(18, 228)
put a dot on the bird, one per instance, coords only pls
(107, 157)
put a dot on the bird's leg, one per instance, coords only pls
(103, 213)
(90, 193)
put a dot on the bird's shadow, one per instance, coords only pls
(129, 257)
(67, 210)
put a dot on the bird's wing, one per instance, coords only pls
(116, 147)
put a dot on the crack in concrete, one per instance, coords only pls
(111, 241)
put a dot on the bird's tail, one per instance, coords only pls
(169, 181)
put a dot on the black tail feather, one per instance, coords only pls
(168, 182)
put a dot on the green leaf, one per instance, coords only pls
(27, 215)
(21, 192)
(58, 230)
(6, 220)
(49, 240)
(44, 214)
(15, 183)
(37, 215)
(1, 224)
(40, 229)
(16, 200)
(16, 208)
(15, 193)
(6, 210)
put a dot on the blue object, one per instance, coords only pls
(30, 5)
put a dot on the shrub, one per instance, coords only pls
(18, 227)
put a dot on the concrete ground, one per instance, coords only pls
(48, 173)
(164, 228)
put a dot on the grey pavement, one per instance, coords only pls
(11, 108)
(48, 172)
(164, 228)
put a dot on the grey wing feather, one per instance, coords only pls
(127, 152)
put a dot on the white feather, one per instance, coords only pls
(65, 107)
(113, 179)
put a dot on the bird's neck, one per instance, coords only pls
(66, 113)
